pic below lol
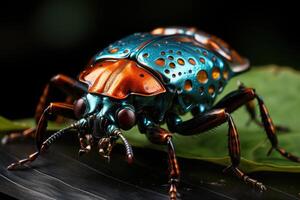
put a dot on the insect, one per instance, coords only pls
(148, 79)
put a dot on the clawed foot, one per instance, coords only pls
(238, 173)
(29, 159)
(173, 189)
(86, 143)
(105, 147)
(83, 151)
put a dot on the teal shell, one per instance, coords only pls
(181, 58)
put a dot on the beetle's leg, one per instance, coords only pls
(106, 143)
(68, 85)
(237, 98)
(18, 135)
(45, 145)
(62, 109)
(158, 135)
(54, 109)
(64, 83)
(86, 142)
(250, 107)
(234, 153)
(210, 120)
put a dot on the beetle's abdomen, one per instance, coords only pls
(119, 78)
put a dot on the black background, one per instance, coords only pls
(40, 39)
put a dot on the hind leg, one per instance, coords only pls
(250, 108)
(236, 99)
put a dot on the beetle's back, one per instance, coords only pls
(191, 64)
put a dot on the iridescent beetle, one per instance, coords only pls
(148, 79)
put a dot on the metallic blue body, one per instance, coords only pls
(183, 57)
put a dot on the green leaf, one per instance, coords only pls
(277, 85)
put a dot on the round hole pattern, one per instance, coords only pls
(114, 50)
(160, 62)
(170, 57)
(192, 61)
(180, 61)
(172, 65)
(211, 90)
(188, 85)
(202, 60)
(202, 76)
(215, 73)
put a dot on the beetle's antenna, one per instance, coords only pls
(76, 125)
(47, 143)
(128, 148)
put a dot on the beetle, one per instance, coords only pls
(148, 79)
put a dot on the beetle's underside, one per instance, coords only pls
(101, 126)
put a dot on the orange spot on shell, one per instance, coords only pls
(114, 50)
(172, 65)
(202, 76)
(211, 90)
(188, 86)
(180, 61)
(160, 62)
(215, 73)
(202, 60)
(192, 61)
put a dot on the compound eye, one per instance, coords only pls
(126, 118)
(80, 107)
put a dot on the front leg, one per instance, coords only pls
(158, 135)
(61, 82)
(62, 109)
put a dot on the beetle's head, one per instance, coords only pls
(104, 118)
(115, 112)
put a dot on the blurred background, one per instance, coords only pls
(40, 39)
